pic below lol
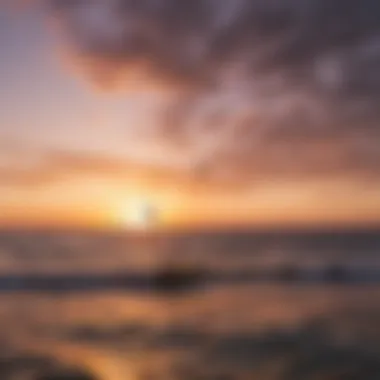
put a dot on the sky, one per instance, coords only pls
(251, 112)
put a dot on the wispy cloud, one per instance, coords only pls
(36, 168)
(259, 88)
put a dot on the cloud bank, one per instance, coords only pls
(258, 88)
(40, 168)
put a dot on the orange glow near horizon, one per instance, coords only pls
(101, 205)
(182, 218)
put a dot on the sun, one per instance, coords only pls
(138, 214)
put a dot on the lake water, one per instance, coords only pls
(61, 307)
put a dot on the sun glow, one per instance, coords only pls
(138, 214)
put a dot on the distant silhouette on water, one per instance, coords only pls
(172, 278)
(287, 273)
(66, 375)
(336, 273)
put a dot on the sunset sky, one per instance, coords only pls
(251, 112)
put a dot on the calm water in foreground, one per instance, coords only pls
(244, 320)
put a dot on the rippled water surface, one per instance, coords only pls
(255, 328)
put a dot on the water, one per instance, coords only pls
(236, 324)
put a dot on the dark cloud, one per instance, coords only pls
(261, 87)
